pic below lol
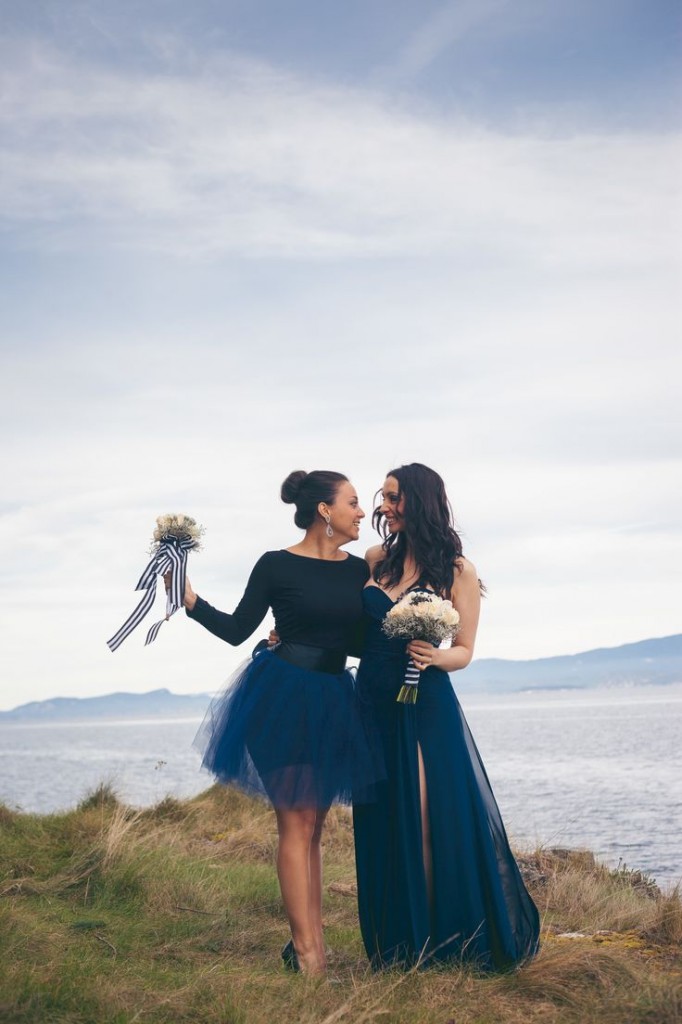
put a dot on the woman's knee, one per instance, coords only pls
(297, 824)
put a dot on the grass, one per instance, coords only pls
(172, 914)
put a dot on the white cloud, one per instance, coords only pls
(248, 160)
(498, 306)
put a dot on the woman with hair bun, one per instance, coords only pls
(287, 727)
(437, 881)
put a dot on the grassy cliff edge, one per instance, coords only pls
(172, 914)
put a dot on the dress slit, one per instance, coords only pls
(425, 818)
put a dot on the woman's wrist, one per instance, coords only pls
(190, 601)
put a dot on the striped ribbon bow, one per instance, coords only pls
(171, 556)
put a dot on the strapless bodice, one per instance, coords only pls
(377, 604)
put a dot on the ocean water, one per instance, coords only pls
(600, 769)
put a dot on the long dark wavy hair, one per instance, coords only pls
(428, 532)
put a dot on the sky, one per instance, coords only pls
(241, 238)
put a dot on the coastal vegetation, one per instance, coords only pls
(172, 914)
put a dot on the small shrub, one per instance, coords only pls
(168, 809)
(640, 881)
(7, 817)
(666, 927)
(102, 796)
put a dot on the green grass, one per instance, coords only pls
(173, 914)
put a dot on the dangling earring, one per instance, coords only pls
(329, 531)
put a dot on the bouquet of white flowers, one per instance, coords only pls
(420, 615)
(183, 527)
(174, 537)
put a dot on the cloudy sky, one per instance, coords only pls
(241, 237)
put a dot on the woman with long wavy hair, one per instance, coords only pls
(437, 881)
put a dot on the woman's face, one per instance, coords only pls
(346, 513)
(392, 505)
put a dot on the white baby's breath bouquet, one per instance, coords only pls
(175, 535)
(420, 615)
(180, 526)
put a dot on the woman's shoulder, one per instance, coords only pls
(466, 570)
(271, 562)
(358, 565)
(268, 557)
(374, 555)
(466, 577)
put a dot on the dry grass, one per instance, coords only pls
(173, 915)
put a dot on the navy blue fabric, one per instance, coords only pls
(283, 728)
(482, 913)
(290, 734)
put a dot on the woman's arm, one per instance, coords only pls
(466, 597)
(247, 616)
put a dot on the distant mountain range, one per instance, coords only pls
(154, 704)
(645, 663)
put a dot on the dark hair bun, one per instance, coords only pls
(291, 487)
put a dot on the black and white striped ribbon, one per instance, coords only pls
(412, 674)
(170, 557)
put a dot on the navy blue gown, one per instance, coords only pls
(482, 913)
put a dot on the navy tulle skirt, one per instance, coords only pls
(290, 734)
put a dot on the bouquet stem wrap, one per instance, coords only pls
(170, 556)
(409, 689)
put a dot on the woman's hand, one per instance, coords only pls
(190, 598)
(273, 638)
(423, 653)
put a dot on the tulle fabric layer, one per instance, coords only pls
(291, 735)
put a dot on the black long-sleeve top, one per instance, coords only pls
(314, 601)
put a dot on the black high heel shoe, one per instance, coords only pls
(289, 958)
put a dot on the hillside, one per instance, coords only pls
(154, 704)
(172, 915)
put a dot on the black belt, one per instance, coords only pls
(316, 659)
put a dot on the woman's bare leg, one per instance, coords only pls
(316, 882)
(426, 830)
(296, 831)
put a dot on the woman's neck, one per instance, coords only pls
(316, 544)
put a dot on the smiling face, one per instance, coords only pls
(392, 505)
(345, 513)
